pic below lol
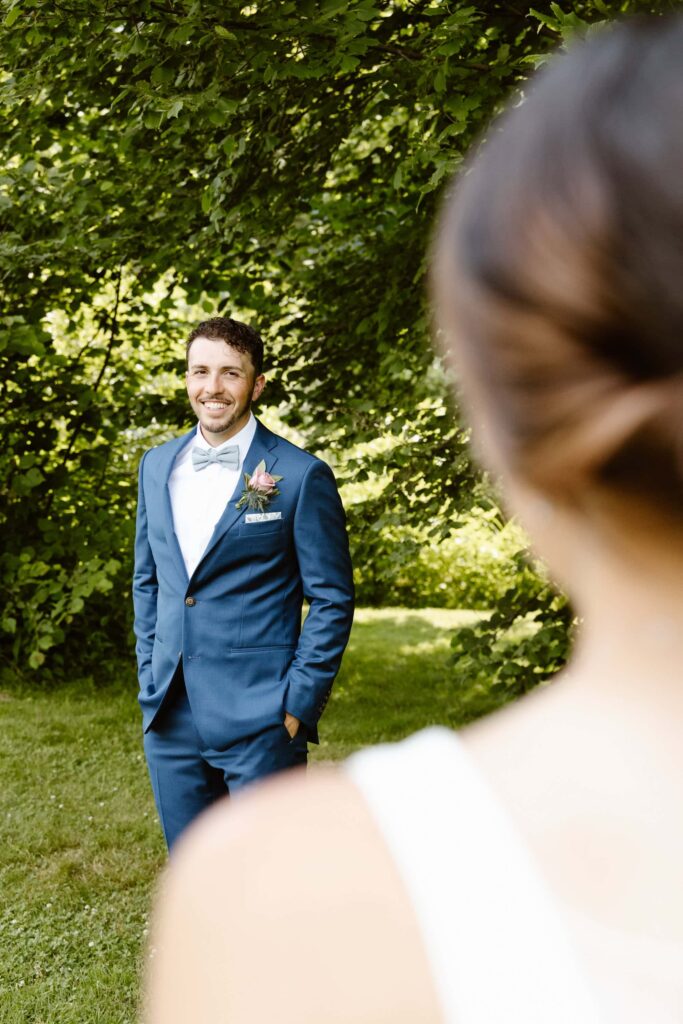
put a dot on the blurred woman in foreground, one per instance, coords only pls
(529, 869)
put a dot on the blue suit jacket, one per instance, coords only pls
(236, 623)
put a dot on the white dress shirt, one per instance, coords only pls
(198, 498)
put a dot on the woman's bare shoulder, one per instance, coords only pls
(284, 805)
(290, 889)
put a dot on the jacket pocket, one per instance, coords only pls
(255, 530)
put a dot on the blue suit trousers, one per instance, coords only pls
(188, 776)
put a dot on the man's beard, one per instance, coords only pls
(219, 427)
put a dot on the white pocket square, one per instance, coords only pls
(262, 517)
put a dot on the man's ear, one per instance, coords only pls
(259, 385)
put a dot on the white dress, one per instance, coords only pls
(497, 942)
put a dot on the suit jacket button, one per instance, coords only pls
(190, 602)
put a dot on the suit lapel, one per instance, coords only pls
(261, 448)
(171, 452)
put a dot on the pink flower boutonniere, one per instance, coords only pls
(259, 489)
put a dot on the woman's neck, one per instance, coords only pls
(629, 641)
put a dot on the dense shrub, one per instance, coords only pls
(524, 642)
(472, 568)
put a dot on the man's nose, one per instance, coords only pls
(214, 382)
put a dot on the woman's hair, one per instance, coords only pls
(559, 271)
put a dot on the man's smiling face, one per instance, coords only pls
(221, 385)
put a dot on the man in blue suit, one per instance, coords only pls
(235, 527)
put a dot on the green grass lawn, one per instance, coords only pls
(81, 846)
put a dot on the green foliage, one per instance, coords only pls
(278, 161)
(524, 642)
(472, 568)
(40, 600)
(75, 420)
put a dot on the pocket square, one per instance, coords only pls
(262, 517)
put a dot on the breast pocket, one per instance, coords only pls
(267, 530)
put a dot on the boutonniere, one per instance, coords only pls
(259, 489)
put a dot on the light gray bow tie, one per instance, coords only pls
(228, 457)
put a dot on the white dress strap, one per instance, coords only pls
(493, 937)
